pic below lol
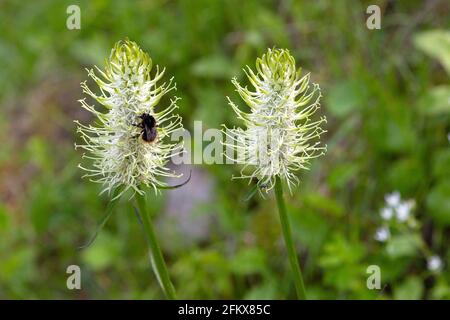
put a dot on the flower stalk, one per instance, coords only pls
(156, 256)
(287, 234)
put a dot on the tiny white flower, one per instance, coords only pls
(393, 199)
(126, 145)
(403, 210)
(382, 234)
(434, 263)
(387, 213)
(278, 138)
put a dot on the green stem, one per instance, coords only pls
(298, 279)
(158, 264)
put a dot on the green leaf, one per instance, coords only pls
(435, 43)
(41, 206)
(266, 291)
(441, 163)
(89, 51)
(345, 97)
(438, 203)
(436, 101)
(398, 135)
(403, 245)
(249, 261)
(342, 174)
(108, 212)
(340, 252)
(4, 219)
(17, 264)
(410, 289)
(103, 252)
(398, 174)
(310, 228)
(38, 152)
(327, 205)
(215, 66)
(441, 290)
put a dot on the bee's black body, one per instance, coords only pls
(148, 126)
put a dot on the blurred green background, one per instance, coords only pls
(387, 100)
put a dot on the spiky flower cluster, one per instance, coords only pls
(120, 157)
(279, 136)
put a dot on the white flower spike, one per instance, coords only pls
(279, 134)
(126, 143)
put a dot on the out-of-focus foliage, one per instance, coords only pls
(387, 100)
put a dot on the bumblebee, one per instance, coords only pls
(148, 125)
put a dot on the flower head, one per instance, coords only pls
(393, 199)
(382, 234)
(397, 207)
(279, 134)
(115, 145)
(434, 263)
(386, 213)
(403, 211)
